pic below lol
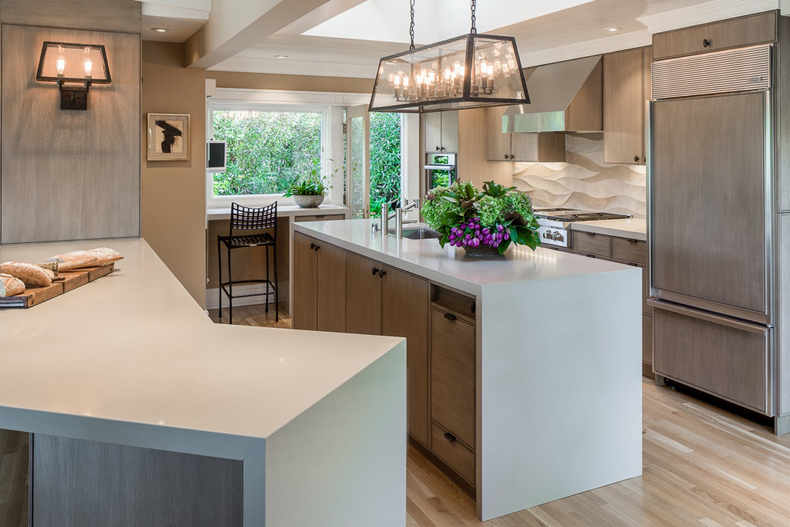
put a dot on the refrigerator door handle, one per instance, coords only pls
(709, 317)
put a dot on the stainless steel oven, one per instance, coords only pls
(441, 170)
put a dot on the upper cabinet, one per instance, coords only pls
(544, 147)
(745, 31)
(440, 132)
(626, 90)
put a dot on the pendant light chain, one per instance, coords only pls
(411, 26)
(474, 16)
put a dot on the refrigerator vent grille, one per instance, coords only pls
(736, 70)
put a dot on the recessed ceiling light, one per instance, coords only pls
(281, 56)
(160, 29)
(612, 29)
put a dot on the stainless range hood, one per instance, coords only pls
(566, 97)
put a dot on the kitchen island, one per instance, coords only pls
(524, 373)
(144, 412)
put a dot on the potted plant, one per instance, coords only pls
(483, 222)
(308, 192)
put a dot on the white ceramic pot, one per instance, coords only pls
(308, 202)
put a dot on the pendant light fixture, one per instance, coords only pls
(470, 71)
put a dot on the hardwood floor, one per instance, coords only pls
(253, 316)
(13, 479)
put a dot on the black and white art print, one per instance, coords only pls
(168, 137)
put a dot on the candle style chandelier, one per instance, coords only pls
(470, 71)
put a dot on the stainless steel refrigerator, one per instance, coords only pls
(715, 226)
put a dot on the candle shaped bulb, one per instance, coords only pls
(61, 62)
(447, 74)
(406, 82)
(397, 80)
(490, 70)
(87, 62)
(483, 67)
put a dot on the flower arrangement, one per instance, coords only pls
(492, 218)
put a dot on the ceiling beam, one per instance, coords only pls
(235, 25)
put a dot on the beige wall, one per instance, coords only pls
(174, 192)
(267, 81)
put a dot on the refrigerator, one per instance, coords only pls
(714, 217)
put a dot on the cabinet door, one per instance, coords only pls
(363, 295)
(497, 142)
(331, 288)
(405, 304)
(304, 305)
(449, 131)
(624, 107)
(733, 33)
(432, 131)
(453, 375)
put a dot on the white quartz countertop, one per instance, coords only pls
(134, 347)
(632, 228)
(449, 265)
(283, 210)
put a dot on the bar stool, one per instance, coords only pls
(250, 219)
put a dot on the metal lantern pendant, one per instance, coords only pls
(470, 71)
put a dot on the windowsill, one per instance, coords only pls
(283, 210)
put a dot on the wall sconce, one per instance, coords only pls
(63, 63)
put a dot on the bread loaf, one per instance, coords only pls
(89, 258)
(10, 286)
(30, 274)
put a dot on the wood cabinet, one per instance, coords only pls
(592, 244)
(544, 147)
(440, 131)
(626, 90)
(760, 28)
(319, 285)
(363, 295)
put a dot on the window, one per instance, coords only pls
(385, 160)
(268, 149)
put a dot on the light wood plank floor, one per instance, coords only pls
(702, 466)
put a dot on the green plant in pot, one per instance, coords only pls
(308, 192)
(483, 222)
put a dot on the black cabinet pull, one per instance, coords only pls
(632, 264)
(438, 149)
(312, 246)
(317, 247)
(375, 271)
(382, 272)
(706, 43)
(590, 255)
(629, 240)
(450, 437)
(474, 307)
(450, 316)
(636, 159)
(590, 233)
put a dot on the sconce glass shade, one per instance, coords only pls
(65, 62)
(470, 71)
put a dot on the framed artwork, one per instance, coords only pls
(168, 137)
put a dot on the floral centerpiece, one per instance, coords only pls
(482, 222)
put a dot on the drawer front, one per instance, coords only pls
(456, 455)
(722, 360)
(454, 302)
(631, 251)
(453, 375)
(726, 34)
(647, 339)
(589, 243)
(327, 217)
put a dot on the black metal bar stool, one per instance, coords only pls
(250, 219)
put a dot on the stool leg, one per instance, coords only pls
(219, 257)
(267, 279)
(276, 286)
(230, 287)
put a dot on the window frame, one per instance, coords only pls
(259, 200)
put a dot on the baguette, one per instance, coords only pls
(10, 286)
(89, 258)
(30, 274)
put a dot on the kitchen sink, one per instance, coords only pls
(418, 233)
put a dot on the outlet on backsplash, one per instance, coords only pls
(585, 181)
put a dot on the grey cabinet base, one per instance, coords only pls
(78, 483)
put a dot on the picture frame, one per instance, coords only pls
(168, 137)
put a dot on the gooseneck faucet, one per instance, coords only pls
(399, 222)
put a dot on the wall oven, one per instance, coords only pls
(441, 170)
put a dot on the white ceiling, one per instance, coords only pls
(348, 37)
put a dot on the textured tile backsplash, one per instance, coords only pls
(584, 181)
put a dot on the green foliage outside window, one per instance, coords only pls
(267, 151)
(385, 160)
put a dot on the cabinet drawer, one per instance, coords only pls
(454, 302)
(725, 34)
(708, 353)
(589, 243)
(326, 217)
(453, 375)
(456, 455)
(647, 339)
(630, 251)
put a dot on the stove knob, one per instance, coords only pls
(559, 237)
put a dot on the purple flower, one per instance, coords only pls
(475, 242)
(507, 236)
(486, 231)
(499, 228)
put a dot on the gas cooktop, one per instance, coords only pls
(571, 215)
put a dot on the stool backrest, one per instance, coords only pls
(253, 219)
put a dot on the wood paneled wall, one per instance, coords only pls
(69, 175)
(101, 15)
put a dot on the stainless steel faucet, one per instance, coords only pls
(399, 222)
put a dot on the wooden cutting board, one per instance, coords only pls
(66, 281)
